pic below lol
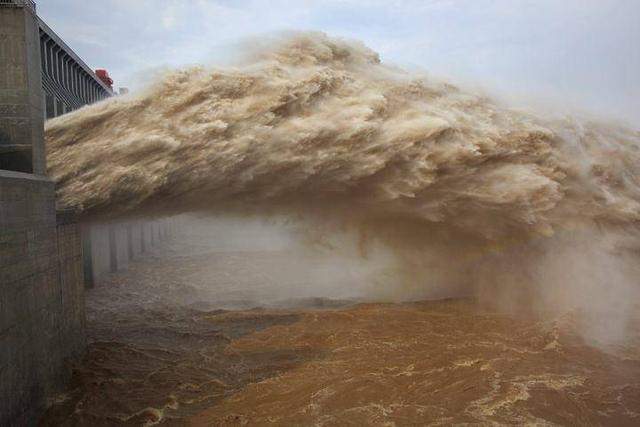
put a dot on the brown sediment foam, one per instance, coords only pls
(319, 121)
(460, 188)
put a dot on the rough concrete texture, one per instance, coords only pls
(41, 297)
(21, 102)
(41, 276)
(100, 256)
(111, 247)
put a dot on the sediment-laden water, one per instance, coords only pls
(416, 190)
(458, 189)
(182, 338)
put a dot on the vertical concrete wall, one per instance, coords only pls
(136, 237)
(41, 297)
(100, 250)
(122, 246)
(71, 275)
(113, 246)
(41, 283)
(147, 235)
(21, 102)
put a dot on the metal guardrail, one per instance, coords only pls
(29, 4)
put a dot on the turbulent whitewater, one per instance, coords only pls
(394, 188)
(525, 208)
(316, 121)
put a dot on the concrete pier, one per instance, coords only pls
(41, 296)
(111, 247)
(21, 99)
(41, 277)
(46, 257)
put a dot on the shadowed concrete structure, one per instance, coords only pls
(41, 286)
(111, 247)
(21, 123)
(43, 269)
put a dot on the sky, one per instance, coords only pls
(578, 55)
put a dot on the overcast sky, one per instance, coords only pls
(583, 54)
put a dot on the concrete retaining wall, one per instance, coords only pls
(99, 250)
(112, 247)
(41, 297)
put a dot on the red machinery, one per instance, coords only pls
(104, 76)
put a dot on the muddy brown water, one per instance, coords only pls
(165, 349)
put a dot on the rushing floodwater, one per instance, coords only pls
(457, 194)
(416, 190)
(181, 339)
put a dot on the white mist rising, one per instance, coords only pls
(463, 195)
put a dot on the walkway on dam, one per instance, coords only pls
(248, 330)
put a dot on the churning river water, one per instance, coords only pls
(206, 333)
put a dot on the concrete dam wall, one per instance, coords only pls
(41, 278)
(111, 247)
(46, 257)
(41, 296)
(46, 260)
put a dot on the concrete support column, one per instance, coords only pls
(108, 248)
(113, 250)
(87, 257)
(43, 54)
(50, 59)
(56, 62)
(130, 250)
(143, 238)
(65, 70)
(21, 115)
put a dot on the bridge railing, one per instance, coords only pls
(29, 4)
